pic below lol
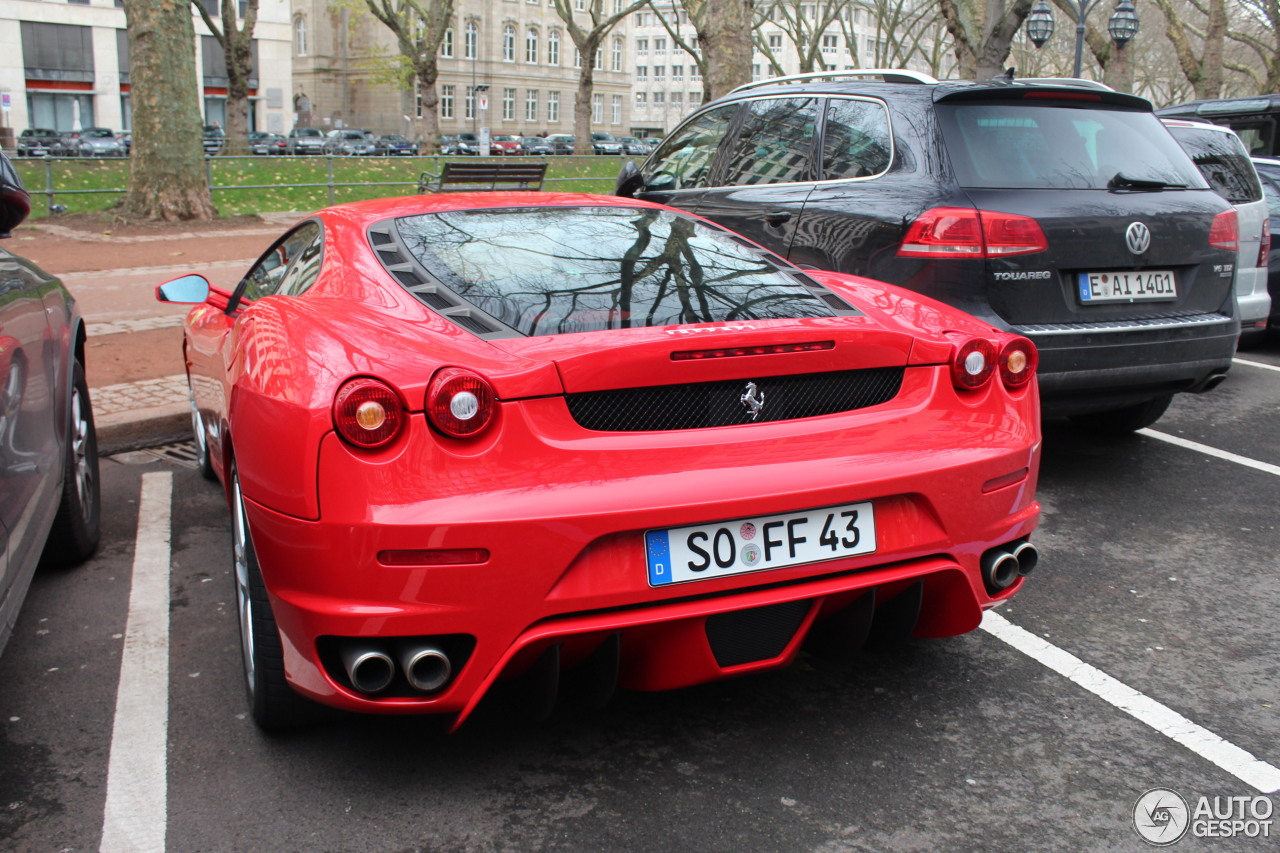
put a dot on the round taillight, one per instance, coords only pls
(459, 403)
(973, 363)
(1018, 362)
(367, 413)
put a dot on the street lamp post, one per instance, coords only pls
(472, 45)
(1122, 26)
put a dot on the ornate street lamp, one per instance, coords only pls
(1122, 26)
(1040, 24)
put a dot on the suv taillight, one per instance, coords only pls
(1264, 247)
(1225, 231)
(965, 232)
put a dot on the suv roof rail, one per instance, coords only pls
(1066, 81)
(888, 75)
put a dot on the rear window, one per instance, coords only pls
(556, 270)
(1222, 159)
(1008, 146)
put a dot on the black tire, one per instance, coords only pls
(77, 527)
(272, 703)
(1126, 420)
(203, 461)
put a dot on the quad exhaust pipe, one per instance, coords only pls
(1004, 564)
(372, 669)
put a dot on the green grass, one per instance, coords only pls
(251, 185)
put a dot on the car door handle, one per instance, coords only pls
(777, 217)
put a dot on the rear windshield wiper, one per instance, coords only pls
(1122, 181)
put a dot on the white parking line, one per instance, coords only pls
(1265, 467)
(1168, 722)
(1255, 364)
(137, 793)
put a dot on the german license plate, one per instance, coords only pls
(1127, 286)
(722, 548)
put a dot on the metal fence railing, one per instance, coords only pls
(51, 191)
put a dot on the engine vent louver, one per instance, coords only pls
(712, 404)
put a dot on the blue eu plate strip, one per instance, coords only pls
(658, 551)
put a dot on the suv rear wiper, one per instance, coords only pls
(1122, 181)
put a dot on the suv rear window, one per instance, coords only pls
(579, 269)
(1222, 159)
(1007, 146)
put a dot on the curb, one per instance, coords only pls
(143, 428)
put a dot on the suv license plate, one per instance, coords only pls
(1127, 286)
(719, 549)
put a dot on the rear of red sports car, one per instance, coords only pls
(550, 437)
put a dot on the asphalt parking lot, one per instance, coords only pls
(1142, 654)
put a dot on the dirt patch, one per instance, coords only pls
(100, 223)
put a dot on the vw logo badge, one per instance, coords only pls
(753, 400)
(1138, 238)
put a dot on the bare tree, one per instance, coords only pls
(237, 48)
(1203, 68)
(167, 179)
(725, 40)
(983, 31)
(588, 42)
(903, 31)
(419, 27)
(1260, 33)
(804, 23)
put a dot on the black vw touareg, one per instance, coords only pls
(1066, 213)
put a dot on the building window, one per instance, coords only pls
(469, 42)
(531, 105)
(775, 41)
(642, 99)
(677, 72)
(577, 58)
(553, 107)
(553, 47)
(469, 105)
(446, 101)
(831, 44)
(659, 72)
(599, 66)
(300, 36)
(509, 43)
(642, 46)
(659, 45)
(597, 109)
(617, 55)
(446, 43)
(642, 72)
(615, 110)
(531, 46)
(580, 5)
(508, 104)
(659, 98)
(677, 97)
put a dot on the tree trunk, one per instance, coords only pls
(726, 44)
(166, 171)
(582, 100)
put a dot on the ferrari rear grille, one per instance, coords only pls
(761, 633)
(734, 402)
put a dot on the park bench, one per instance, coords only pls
(483, 175)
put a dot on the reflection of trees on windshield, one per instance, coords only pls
(553, 271)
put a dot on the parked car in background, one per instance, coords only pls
(305, 140)
(1253, 118)
(1221, 157)
(504, 145)
(214, 138)
(562, 143)
(535, 145)
(349, 143)
(468, 143)
(395, 145)
(633, 146)
(407, 395)
(50, 500)
(37, 142)
(1063, 213)
(1269, 173)
(261, 143)
(605, 143)
(91, 142)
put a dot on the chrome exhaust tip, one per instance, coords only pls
(370, 670)
(426, 668)
(1028, 557)
(999, 570)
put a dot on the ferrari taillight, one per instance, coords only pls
(1225, 231)
(973, 363)
(1018, 360)
(964, 232)
(367, 413)
(459, 403)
